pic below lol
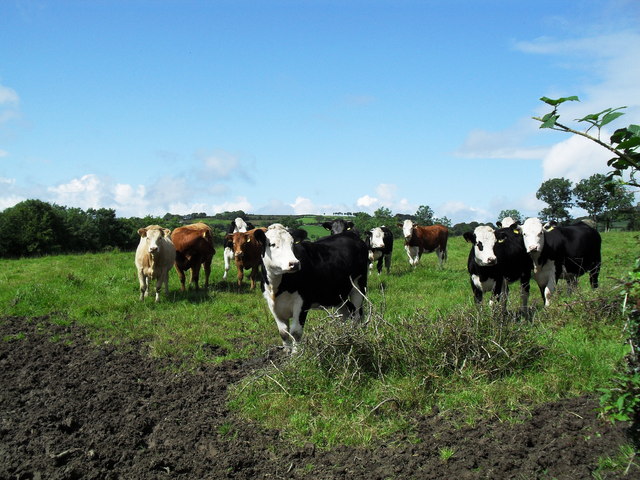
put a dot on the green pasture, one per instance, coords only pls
(423, 344)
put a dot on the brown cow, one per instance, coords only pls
(247, 251)
(194, 247)
(418, 240)
(154, 256)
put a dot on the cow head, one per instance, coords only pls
(277, 250)
(152, 236)
(375, 238)
(407, 229)
(533, 235)
(507, 222)
(338, 226)
(239, 242)
(483, 239)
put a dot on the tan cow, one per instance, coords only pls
(194, 247)
(154, 258)
(247, 252)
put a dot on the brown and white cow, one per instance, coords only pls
(247, 252)
(237, 225)
(419, 239)
(194, 247)
(154, 258)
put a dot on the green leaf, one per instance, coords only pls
(558, 101)
(610, 117)
(633, 142)
(549, 120)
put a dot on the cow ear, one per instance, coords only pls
(350, 225)
(499, 224)
(167, 232)
(142, 232)
(327, 225)
(549, 226)
(469, 237)
(501, 237)
(260, 236)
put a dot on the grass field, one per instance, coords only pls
(424, 344)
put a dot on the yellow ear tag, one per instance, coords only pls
(501, 240)
(517, 232)
(249, 240)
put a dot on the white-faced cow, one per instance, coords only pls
(247, 251)
(194, 248)
(339, 226)
(379, 241)
(154, 258)
(418, 240)
(498, 258)
(330, 272)
(506, 222)
(561, 252)
(237, 225)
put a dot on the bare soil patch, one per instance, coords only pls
(71, 410)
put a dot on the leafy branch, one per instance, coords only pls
(623, 143)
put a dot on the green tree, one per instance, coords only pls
(32, 227)
(424, 215)
(591, 195)
(557, 194)
(443, 221)
(515, 214)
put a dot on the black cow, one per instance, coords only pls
(379, 241)
(330, 272)
(562, 252)
(339, 225)
(498, 258)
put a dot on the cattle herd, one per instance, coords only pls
(298, 275)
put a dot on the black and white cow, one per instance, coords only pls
(339, 225)
(379, 241)
(330, 272)
(237, 225)
(561, 252)
(498, 258)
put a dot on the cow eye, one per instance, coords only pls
(272, 245)
(479, 245)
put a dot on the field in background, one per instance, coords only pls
(573, 346)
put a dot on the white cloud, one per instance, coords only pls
(302, 206)
(84, 192)
(9, 201)
(4, 153)
(222, 165)
(240, 203)
(367, 201)
(575, 158)
(461, 212)
(8, 95)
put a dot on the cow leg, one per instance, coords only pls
(228, 256)
(296, 325)
(207, 272)
(593, 276)
(387, 262)
(441, 254)
(195, 275)
(379, 265)
(181, 277)
(477, 292)
(240, 268)
(142, 280)
(524, 293)
(253, 276)
(356, 298)
(414, 255)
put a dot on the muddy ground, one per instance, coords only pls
(72, 410)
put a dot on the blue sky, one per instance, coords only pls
(295, 107)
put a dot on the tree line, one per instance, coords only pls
(34, 227)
